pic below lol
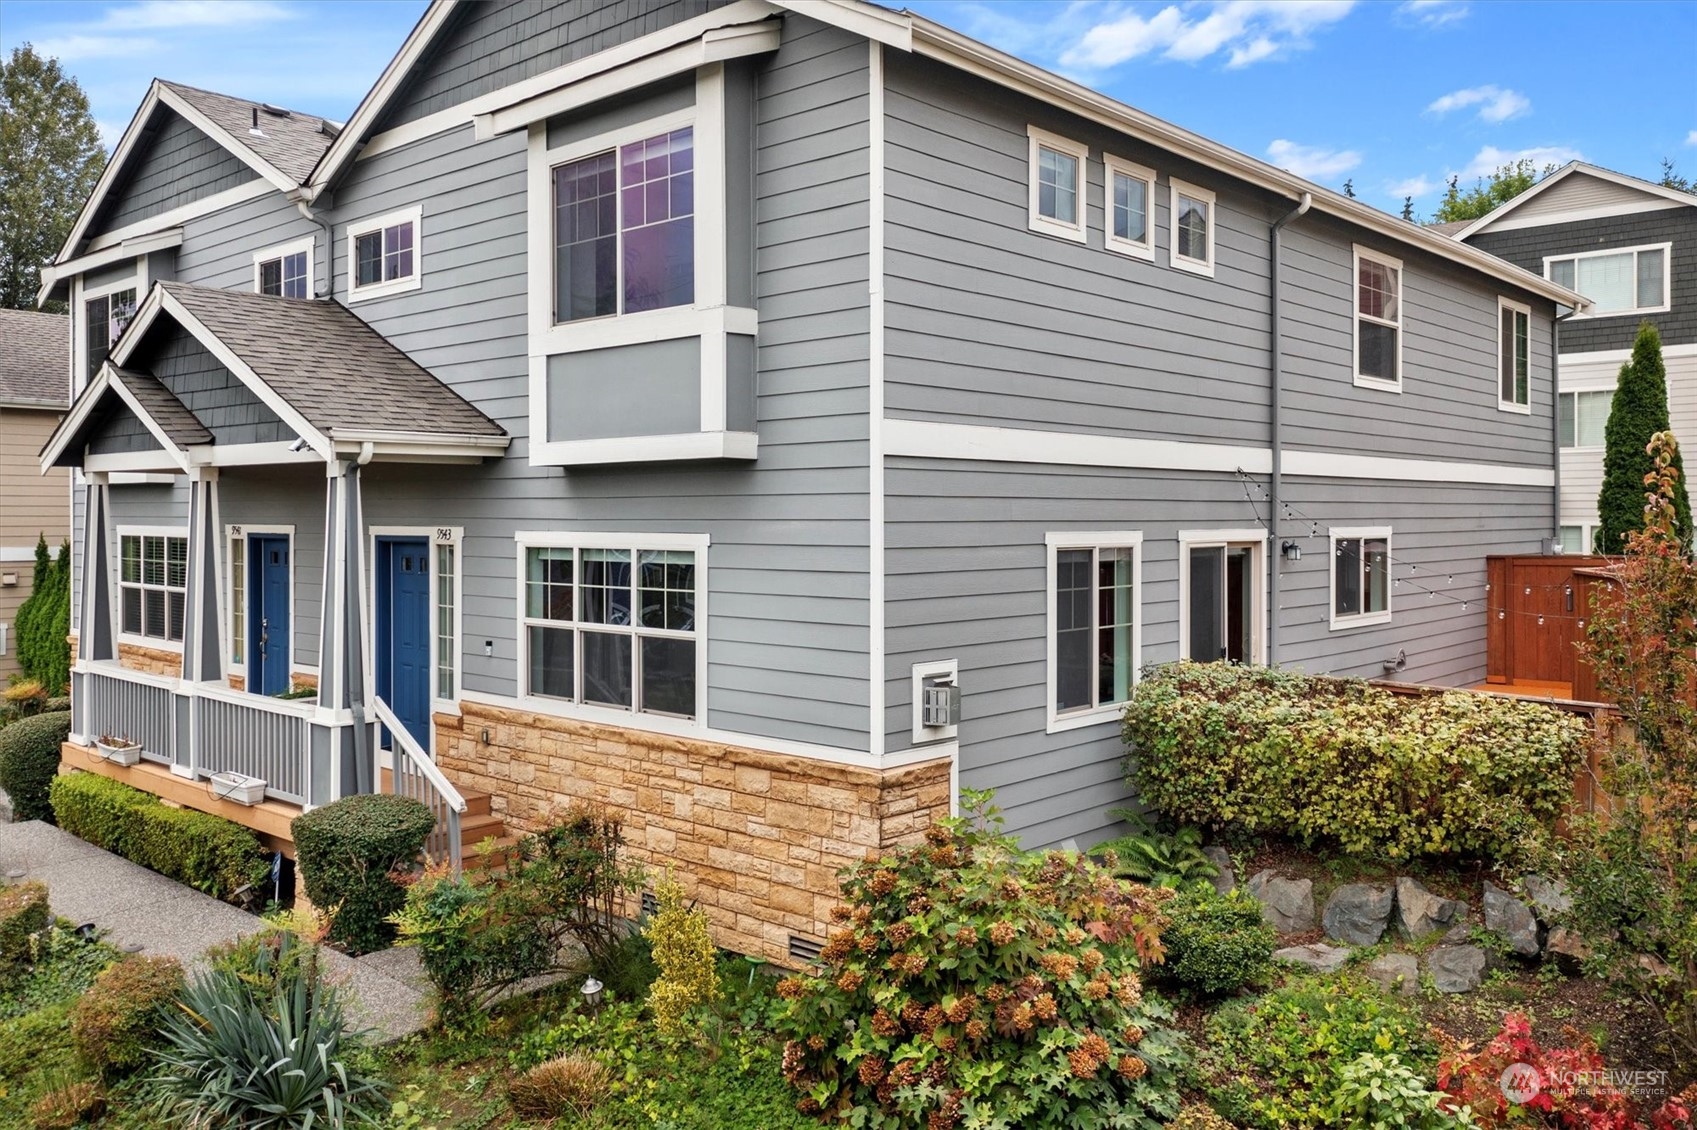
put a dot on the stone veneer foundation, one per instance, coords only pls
(152, 660)
(756, 838)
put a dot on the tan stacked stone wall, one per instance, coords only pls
(152, 660)
(756, 838)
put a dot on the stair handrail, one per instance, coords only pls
(404, 742)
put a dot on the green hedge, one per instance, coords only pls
(207, 852)
(29, 760)
(1216, 944)
(346, 852)
(1318, 759)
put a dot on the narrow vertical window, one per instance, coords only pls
(1193, 223)
(1514, 360)
(238, 600)
(447, 635)
(1378, 321)
(104, 320)
(1057, 185)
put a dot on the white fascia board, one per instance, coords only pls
(205, 206)
(893, 29)
(55, 273)
(223, 137)
(74, 419)
(109, 175)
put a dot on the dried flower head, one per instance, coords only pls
(1002, 933)
(851, 980)
(1132, 1067)
(791, 988)
(1091, 959)
(966, 936)
(1133, 1035)
(885, 1023)
(938, 835)
(976, 1030)
(1045, 1008)
(883, 882)
(872, 1070)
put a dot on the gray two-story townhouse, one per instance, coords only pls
(1629, 246)
(762, 419)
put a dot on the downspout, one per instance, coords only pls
(329, 256)
(1555, 429)
(1276, 427)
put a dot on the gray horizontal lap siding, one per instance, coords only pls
(787, 609)
(1529, 247)
(966, 579)
(218, 249)
(496, 43)
(180, 165)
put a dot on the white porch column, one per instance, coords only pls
(202, 625)
(343, 757)
(95, 637)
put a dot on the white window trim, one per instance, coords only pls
(1355, 316)
(295, 247)
(1044, 225)
(525, 540)
(81, 296)
(357, 228)
(1196, 539)
(1359, 619)
(1667, 278)
(454, 538)
(117, 566)
(1091, 540)
(239, 531)
(1505, 308)
(1175, 189)
(1587, 535)
(1576, 393)
(1114, 166)
(433, 536)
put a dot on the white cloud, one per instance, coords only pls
(1413, 186)
(121, 31)
(1247, 31)
(1495, 104)
(1433, 13)
(1489, 159)
(1311, 161)
(1691, 138)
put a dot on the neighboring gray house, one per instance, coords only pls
(649, 401)
(1630, 246)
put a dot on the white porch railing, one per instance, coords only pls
(133, 706)
(254, 735)
(414, 775)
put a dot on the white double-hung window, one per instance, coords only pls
(153, 568)
(1130, 226)
(1095, 637)
(1378, 320)
(1057, 175)
(284, 271)
(610, 621)
(1582, 416)
(1193, 228)
(1361, 576)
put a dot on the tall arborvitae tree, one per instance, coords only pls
(1640, 410)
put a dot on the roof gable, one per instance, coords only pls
(1579, 191)
(173, 164)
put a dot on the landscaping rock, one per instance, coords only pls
(1319, 956)
(1513, 919)
(1456, 969)
(1395, 973)
(1567, 948)
(1420, 912)
(1226, 881)
(1358, 913)
(1653, 965)
(1548, 897)
(1458, 935)
(1287, 903)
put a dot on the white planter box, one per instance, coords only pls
(119, 754)
(238, 787)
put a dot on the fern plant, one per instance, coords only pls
(1156, 858)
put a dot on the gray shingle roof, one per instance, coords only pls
(331, 367)
(35, 359)
(292, 144)
(1450, 228)
(172, 416)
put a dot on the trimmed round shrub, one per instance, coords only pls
(23, 914)
(29, 760)
(1264, 751)
(116, 1023)
(1217, 944)
(347, 852)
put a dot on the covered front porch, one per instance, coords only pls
(228, 701)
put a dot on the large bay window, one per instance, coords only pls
(1095, 633)
(152, 584)
(1378, 320)
(1628, 280)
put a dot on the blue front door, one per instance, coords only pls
(402, 637)
(268, 614)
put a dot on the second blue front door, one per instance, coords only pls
(268, 614)
(402, 635)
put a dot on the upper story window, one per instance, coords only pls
(1378, 320)
(104, 319)
(1095, 625)
(1193, 228)
(152, 584)
(1361, 576)
(1131, 208)
(284, 271)
(1582, 417)
(383, 254)
(1057, 184)
(1631, 280)
(624, 228)
(1514, 357)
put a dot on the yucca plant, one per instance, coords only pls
(239, 1054)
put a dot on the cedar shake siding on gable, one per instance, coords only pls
(177, 165)
(1529, 247)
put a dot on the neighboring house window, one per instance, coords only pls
(624, 229)
(1095, 626)
(1514, 357)
(1057, 184)
(1130, 227)
(1631, 280)
(284, 271)
(384, 254)
(1582, 417)
(447, 624)
(1361, 576)
(1576, 539)
(105, 318)
(152, 584)
(1378, 320)
(1193, 228)
(613, 626)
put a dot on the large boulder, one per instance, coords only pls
(1286, 903)
(1358, 913)
(1549, 897)
(1513, 919)
(1395, 973)
(1420, 912)
(1226, 881)
(1456, 969)
(1319, 956)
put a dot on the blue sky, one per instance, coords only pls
(1396, 96)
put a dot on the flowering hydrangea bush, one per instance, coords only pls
(972, 984)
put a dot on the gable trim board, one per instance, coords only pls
(1578, 215)
(110, 379)
(1497, 218)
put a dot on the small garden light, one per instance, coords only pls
(591, 992)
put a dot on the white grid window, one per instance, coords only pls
(1378, 320)
(1057, 184)
(1130, 227)
(1583, 417)
(1193, 222)
(152, 585)
(385, 254)
(105, 319)
(447, 634)
(1095, 624)
(238, 600)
